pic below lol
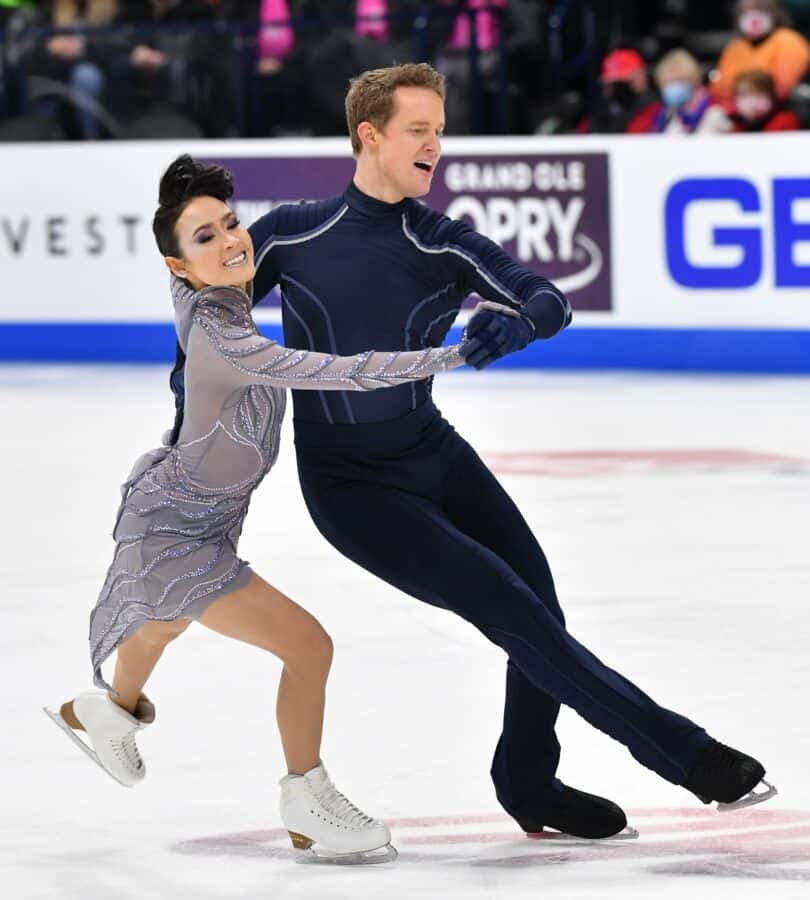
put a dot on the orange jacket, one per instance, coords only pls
(785, 54)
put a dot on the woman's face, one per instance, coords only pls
(755, 19)
(753, 104)
(214, 248)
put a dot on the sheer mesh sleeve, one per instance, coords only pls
(248, 358)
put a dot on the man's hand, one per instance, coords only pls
(492, 332)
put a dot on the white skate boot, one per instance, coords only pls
(314, 812)
(110, 730)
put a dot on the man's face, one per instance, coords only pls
(409, 145)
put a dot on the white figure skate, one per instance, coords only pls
(330, 827)
(110, 731)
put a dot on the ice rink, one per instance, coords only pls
(674, 511)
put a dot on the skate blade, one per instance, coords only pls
(321, 857)
(750, 799)
(63, 725)
(626, 834)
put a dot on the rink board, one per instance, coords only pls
(681, 349)
(675, 253)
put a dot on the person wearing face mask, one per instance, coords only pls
(687, 107)
(756, 106)
(627, 104)
(765, 43)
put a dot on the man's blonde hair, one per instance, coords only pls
(371, 95)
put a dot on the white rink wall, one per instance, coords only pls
(676, 254)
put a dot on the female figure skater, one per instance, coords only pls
(183, 507)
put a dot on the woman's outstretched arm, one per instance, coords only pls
(252, 359)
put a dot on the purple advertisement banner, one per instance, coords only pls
(550, 212)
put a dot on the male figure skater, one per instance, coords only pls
(393, 487)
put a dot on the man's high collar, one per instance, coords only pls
(370, 206)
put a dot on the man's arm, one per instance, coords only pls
(261, 234)
(290, 223)
(480, 265)
(487, 269)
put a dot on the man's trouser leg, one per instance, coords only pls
(528, 752)
(409, 541)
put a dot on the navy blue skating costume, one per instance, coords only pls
(393, 487)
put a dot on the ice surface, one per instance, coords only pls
(674, 510)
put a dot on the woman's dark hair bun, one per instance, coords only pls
(185, 179)
(176, 180)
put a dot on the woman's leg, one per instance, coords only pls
(258, 614)
(138, 656)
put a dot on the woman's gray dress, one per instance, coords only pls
(182, 510)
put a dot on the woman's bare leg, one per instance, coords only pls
(138, 656)
(258, 614)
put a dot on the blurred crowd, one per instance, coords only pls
(756, 83)
(111, 69)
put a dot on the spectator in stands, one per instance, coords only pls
(278, 84)
(12, 16)
(370, 19)
(453, 59)
(756, 106)
(765, 43)
(305, 59)
(687, 107)
(275, 39)
(333, 37)
(174, 73)
(334, 40)
(627, 104)
(72, 67)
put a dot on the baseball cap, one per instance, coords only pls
(621, 64)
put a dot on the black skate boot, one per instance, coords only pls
(579, 815)
(727, 776)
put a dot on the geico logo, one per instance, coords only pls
(529, 221)
(716, 229)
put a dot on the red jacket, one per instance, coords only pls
(781, 120)
(643, 122)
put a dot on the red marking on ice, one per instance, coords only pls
(581, 463)
(431, 821)
(754, 843)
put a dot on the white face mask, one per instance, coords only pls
(753, 106)
(756, 24)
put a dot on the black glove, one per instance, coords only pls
(491, 334)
